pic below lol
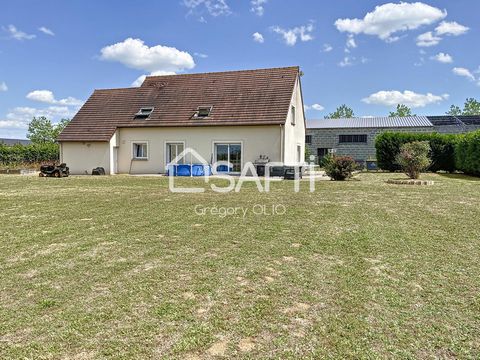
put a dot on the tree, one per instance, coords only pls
(471, 107)
(41, 130)
(454, 111)
(414, 157)
(342, 111)
(402, 111)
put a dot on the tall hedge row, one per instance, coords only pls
(443, 149)
(467, 153)
(33, 153)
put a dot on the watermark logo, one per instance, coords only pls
(243, 211)
(199, 167)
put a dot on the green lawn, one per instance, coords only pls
(119, 267)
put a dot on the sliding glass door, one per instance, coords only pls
(230, 152)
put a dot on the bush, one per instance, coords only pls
(27, 154)
(442, 149)
(467, 153)
(339, 167)
(414, 158)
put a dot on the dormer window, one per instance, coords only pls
(203, 111)
(144, 113)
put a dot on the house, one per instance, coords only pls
(234, 116)
(11, 142)
(355, 137)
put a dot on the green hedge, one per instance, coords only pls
(33, 153)
(443, 149)
(467, 153)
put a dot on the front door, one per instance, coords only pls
(230, 152)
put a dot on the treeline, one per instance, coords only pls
(43, 149)
(448, 152)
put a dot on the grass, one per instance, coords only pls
(119, 267)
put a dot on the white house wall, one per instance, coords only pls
(82, 157)
(295, 134)
(255, 140)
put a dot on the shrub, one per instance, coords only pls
(414, 158)
(442, 149)
(467, 153)
(27, 154)
(339, 167)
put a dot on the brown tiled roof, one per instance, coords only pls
(250, 97)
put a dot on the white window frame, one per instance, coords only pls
(229, 142)
(166, 149)
(293, 112)
(140, 142)
(301, 159)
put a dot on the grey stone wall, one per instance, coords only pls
(328, 138)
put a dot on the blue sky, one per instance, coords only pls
(367, 54)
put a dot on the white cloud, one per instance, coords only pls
(316, 107)
(257, 37)
(138, 81)
(290, 36)
(46, 96)
(327, 48)
(135, 54)
(17, 34)
(451, 28)
(409, 98)
(257, 7)
(351, 42)
(3, 86)
(443, 58)
(46, 31)
(428, 39)
(200, 55)
(347, 61)
(213, 7)
(19, 118)
(390, 18)
(463, 72)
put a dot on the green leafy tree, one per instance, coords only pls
(454, 111)
(342, 111)
(414, 157)
(402, 111)
(41, 130)
(471, 107)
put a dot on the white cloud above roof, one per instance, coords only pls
(290, 36)
(316, 107)
(460, 71)
(47, 96)
(409, 98)
(257, 7)
(46, 31)
(387, 19)
(16, 34)
(428, 39)
(443, 58)
(133, 53)
(451, 28)
(257, 37)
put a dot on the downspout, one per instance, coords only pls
(281, 144)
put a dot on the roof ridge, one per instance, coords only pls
(225, 72)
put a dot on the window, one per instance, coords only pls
(322, 152)
(140, 150)
(203, 111)
(299, 153)
(293, 115)
(144, 113)
(231, 153)
(352, 138)
(308, 139)
(173, 150)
